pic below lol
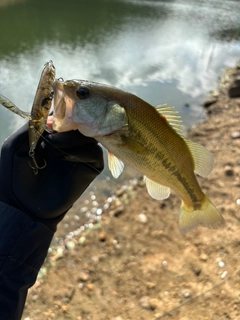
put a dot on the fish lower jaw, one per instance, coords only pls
(95, 131)
(110, 133)
(63, 126)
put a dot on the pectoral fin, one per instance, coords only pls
(157, 191)
(115, 165)
(203, 159)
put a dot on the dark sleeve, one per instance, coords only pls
(23, 249)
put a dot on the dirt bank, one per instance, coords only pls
(135, 264)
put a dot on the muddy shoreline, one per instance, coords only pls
(134, 264)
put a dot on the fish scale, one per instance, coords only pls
(152, 162)
(171, 148)
(147, 138)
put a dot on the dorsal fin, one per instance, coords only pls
(172, 116)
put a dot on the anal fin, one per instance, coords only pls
(156, 190)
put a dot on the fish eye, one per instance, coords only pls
(83, 92)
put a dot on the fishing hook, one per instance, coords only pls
(35, 165)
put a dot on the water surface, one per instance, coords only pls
(164, 51)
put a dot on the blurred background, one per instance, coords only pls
(164, 51)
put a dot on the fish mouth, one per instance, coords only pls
(58, 84)
(62, 116)
(58, 121)
(59, 104)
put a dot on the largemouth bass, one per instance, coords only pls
(147, 138)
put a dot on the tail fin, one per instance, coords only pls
(208, 216)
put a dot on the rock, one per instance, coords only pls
(42, 272)
(49, 314)
(35, 297)
(118, 203)
(81, 240)
(84, 276)
(95, 259)
(150, 285)
(118, 211)
(234, 89)
(70, 245)
(144, 302)
(209, 102)
(228, 171)
(102, 236)
(59, 253)
(186, 294)
(76, 217)
(235, 135)
(224, 274)
(153, 303)
(203, 257)
(162, 205)
(141, 183)
(196, 269)
(90, 286)
(64, 308)
(120, 192)
(148, 303)
(221, 264)
(142, 218)
(164, 263)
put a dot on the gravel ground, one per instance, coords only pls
(132, 262)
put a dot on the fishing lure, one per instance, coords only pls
(40, 111)
(37, 119)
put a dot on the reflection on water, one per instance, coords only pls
(165, 52)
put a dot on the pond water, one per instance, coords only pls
(164, 51)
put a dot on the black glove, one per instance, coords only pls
(72, 162)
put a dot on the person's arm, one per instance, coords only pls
(31, 205)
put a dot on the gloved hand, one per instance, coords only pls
(72, 162)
